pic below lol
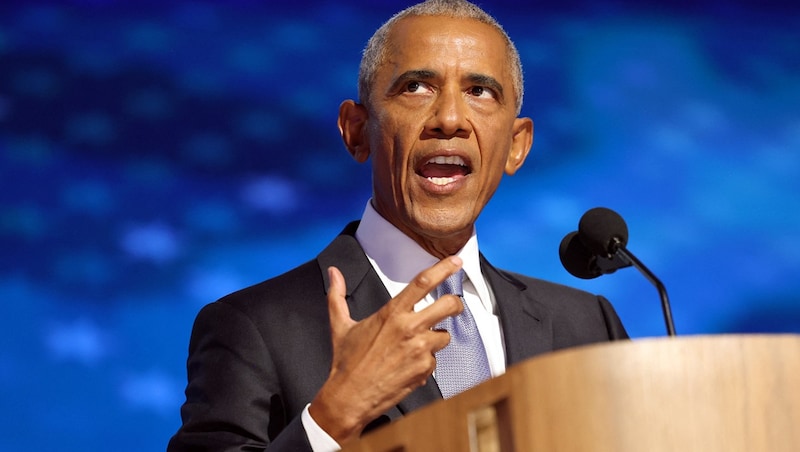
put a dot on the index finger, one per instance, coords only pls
(426, 281)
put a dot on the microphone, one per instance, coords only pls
(603, 231)
(598, 247)
(582, 263)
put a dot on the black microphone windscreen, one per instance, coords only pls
(576, 258)
(599, 227)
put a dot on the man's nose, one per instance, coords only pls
(449, 115)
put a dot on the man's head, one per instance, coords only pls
(439, 120)
(375, 50)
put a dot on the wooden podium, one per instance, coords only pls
(703, 393)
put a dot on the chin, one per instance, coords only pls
(445, 224)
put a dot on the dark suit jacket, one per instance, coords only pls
(258, 356)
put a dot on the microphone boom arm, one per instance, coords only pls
(618, 249)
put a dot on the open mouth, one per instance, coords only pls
(443, 170)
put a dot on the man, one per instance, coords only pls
(312, 358)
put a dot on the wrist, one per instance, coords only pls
(336, 419)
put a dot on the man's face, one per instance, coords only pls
(441, 128)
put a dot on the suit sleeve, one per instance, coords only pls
(616, 330)
(233, 397)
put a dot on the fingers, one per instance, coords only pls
(426, 281)
(438, 340)
(422, 284)
(338, 310)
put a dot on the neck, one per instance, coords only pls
(438, 243)
(441, 247)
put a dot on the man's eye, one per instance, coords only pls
(413, 87)
(480, 91)
(417, 87)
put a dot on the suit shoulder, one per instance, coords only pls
(302, 283)
(573, 310)
(547, 290)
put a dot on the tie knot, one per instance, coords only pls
(451, 285)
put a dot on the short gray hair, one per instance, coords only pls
(375, 51)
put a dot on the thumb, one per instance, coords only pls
(338, 311)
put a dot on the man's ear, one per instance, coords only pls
(520, 144)
(352, 126)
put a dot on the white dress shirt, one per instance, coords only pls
(397, 259)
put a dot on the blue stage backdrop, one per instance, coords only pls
(158, 155)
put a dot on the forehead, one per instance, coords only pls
(442, 43)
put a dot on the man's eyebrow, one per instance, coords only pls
(487, 81)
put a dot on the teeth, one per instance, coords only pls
(449, 160)
(442, 180)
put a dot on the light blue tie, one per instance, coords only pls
(462, 364)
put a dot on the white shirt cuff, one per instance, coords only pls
(318, 438)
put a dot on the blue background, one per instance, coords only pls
(157, 155)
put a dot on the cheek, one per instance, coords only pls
(394, 148)
(495, 150)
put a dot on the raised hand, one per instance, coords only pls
(378, 361)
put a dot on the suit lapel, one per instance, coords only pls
(527, 327)
(366, 294)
